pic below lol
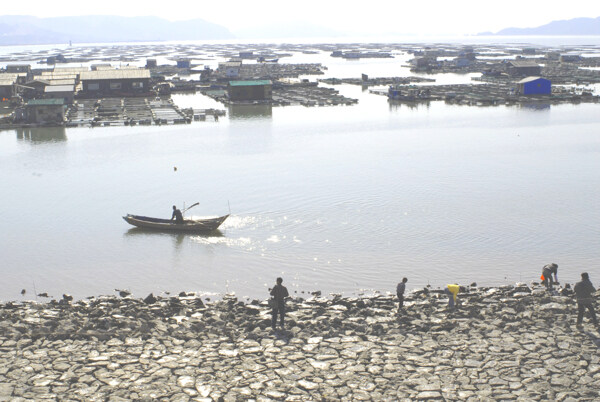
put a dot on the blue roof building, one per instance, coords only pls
(534, 86)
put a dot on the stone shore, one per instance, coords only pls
(508, 343)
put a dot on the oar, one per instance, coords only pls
(190, 207)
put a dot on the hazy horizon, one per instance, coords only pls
(463, 17)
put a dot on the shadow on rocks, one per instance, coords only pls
(592, 337)
(283, 335)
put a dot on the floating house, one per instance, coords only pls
(56, 59)
(8, 86)
(410, 94)
(467, 55)
(64, 92)
(351, 55)
(260, 90)
(72, 70)
(432, 53)
(37, 87)
(534, 86)
(184, 63)
(60, 76)
(18, 78)
(45, 111)
(570, 58)
(101, 66)
(462, 62)
(523, 68)
(65, 81)
(18, 68)
(231, 69)
(122, 82)
(50, 75)
(423, 62)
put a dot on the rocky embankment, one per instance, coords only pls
(514, 342)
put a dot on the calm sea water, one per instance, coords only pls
(337, 199)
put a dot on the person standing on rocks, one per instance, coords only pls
(278, 293)
(584, 291)
(400, 288)
(547, 272)
(452, 292)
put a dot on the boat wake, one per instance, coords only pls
(242, 242)
(238, 222)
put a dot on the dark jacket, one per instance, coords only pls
(584, 291)
(177, 215)
(279, 293)
(400, 288)
(550, 269)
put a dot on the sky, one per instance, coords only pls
(376, 17)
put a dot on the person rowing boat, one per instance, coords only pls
(177, 215)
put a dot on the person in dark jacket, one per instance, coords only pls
(177, 215)
(584, 291)
(278, 293)
(400, 288)
(547, 272)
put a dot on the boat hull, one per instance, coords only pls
(189, 225)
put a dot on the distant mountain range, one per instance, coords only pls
(27, 30)
(575, 26)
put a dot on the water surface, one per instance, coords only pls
(338, 199)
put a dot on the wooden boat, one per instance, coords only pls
(188, 225)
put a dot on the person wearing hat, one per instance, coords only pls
(584, 291)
